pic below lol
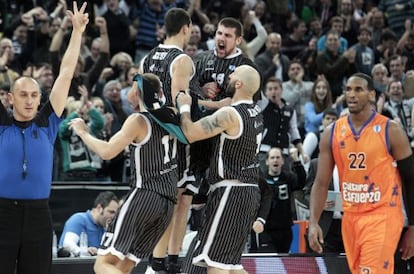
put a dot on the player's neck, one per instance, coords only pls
(174, 41)
(359, 119)
(239, 96)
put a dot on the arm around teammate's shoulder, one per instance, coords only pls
(223, 120)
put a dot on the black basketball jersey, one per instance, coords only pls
(159, 61)
(153, 161)
(211, 68)
(235, 158)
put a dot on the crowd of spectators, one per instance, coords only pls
(326, 39)
(307, 49)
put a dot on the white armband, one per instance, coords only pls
(185, 108)
(261, 220)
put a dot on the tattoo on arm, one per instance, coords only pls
(186, 121)
(217, 121)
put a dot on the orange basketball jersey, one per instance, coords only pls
(368, 174)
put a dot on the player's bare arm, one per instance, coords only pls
(214, 104)
(319, 190)
(223, 120)
(402, 152)
(400, 146)
(134, 129)
(182, 71)
(60, 89)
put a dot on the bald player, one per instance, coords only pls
(234, 170)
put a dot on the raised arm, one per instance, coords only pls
(254, 46)
(100, 22)
(195, 8)
(61, 86)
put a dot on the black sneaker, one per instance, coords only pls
(162, 272)
(173, 268)
(152, 271)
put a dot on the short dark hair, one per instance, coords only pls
(364, 29)
(104, 198)
(314, 18)
(274, 79)
(392, 82)
(45, 65)
(276, 148)
(370, 82)
(230, 22)
(387, 35)
(152, 81)
(5, 86)
(395, 57)
(332, 32)
(296, 23)
(296, 61)
(335, 19)
(174, 20)
(330, 111)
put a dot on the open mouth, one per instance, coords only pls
(221, 47)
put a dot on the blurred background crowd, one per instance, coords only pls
(304, 50)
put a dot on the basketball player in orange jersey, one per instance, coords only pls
(374, 161)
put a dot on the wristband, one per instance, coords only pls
(176, 96)
(261, 220)
(185, 108)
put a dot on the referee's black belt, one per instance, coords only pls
(24, 202)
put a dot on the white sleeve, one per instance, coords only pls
(294, 132)
(310, 143)
(70, 242)
(263, 102)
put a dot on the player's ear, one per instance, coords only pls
(239, 40)
(372, 96)
(185, 29)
